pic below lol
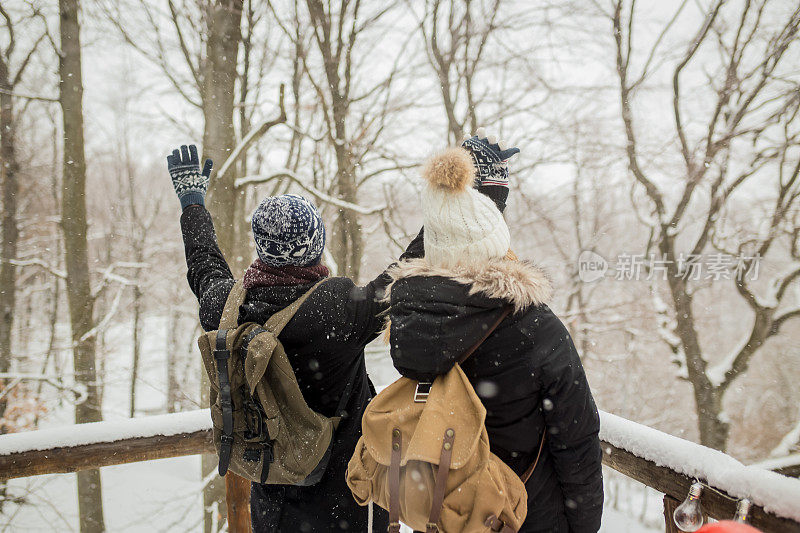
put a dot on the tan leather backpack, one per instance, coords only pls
(264, 430)
(424, 456)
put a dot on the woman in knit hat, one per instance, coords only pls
(527, 373)
(324, 341)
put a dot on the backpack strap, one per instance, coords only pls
(278, 321)
(346, 393)
(440, 485)
(494, 523)
(506, 311)
(275, 325)
(394, 482)
(423, 388)
(230, 313)
(221, 355)
(529, 472)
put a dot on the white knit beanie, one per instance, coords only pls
(462, 226)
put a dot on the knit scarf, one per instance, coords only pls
(260, 274)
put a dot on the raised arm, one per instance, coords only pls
(206, 266)
(368, 303)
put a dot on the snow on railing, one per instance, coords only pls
(664, 462)
(670, 464)
(788, 465)
(80, 447)
(106, 432)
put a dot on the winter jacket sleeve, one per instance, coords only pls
(497, 194)
(572, 425)
(208, 273)
(368, 303)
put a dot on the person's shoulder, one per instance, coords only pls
(539, 323)
(337, 287)
(338, 292)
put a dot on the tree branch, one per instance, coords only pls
(18, 94)
(321, 196)
(254, 135)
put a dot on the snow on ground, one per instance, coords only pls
(165, 495)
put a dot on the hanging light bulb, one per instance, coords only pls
(742, 510)
(689, 515)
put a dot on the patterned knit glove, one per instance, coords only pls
(189, 183)
(490, 157)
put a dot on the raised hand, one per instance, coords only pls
(491, 158)
(184, 169)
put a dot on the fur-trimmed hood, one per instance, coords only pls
(518, 282)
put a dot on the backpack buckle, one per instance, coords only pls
(254, 421)
(422, 391)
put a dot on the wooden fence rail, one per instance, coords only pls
(66, 459)
(677, 485)
(94, 445)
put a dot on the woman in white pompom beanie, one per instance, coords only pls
(527, 372)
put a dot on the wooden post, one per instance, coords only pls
(237, 496)
(670, 504)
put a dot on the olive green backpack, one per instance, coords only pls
(263, 429)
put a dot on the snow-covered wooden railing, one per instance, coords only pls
(666, 463)
(670, 465)
(81, 447)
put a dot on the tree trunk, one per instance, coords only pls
(79, 296)
(137, 343)
(223, 200)
(219, 137)
(708, 398)
(8, 249)
(172, 349)
(8, 287)
(347, 238)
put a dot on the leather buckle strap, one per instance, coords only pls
(529, 472)
(506, 311)
(422, 391)
(394, 482)
(497, 525)
(440, 485)
(225, 449)
(221, 355)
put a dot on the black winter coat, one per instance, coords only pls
(325, 343)
(527, 374)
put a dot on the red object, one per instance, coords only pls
(727, 526)
(261, 275)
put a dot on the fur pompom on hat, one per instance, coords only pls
(462, 226)
(452, 169)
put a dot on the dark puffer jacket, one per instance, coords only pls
(325, 343)
(527, 374)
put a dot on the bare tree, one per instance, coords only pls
(79, 293)
(350, 116)
(456, 44)
(753, 114)
(12, 69)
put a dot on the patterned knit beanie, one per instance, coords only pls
(288, 231)
(462, 226)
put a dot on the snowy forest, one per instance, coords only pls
(658, 185)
